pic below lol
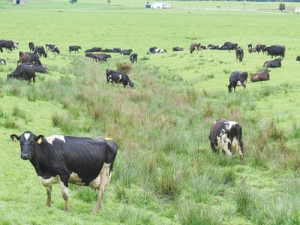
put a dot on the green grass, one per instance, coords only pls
(165, 172)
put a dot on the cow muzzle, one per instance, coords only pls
(25, 156)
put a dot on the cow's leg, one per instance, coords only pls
(213, 147)
(105, 176)
(49, 190)
(65, 193)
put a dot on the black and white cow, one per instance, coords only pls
(114, 76)
(3, 61)
(23, 72)
(237, 78)
(227, 136)
(239, 52)
(274, 63)
(133, 57)
(65, 159)
(195, 46)
(275, 50)
(40, 50)
(74, 48)
(31, 46)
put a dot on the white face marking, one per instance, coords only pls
(51, 138)
(27, 135)
(48, 182)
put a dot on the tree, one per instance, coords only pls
(281, 6)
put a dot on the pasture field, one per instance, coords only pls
(164, 172)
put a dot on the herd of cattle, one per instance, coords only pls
(89, 161)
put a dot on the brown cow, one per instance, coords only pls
(23, 58)
(260, 76)
(194, 47)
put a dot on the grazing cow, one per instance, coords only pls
(237, 78)
(40, 51)
(276, 50)
(28, 57)
(239, 52)
(31, 46)
(298, 58)
(49, 47)
(260, 48)
(230, 46)
(250, 48)
(55, 49)
(66, 159)
(133, 57)
(126, 52)
(260, 76)
(195, 46)
(273, 63)
(177, 49)
(94, 49)
(74, 48)
(23, 72)
(226, 135)
(114, 76)
(3, 61)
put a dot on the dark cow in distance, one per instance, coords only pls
(3, 61)
(23, 72)
(276, 50)
(274, 63)
(40, 51)
(114, 76)
(74, 48)
(260, 48)
(98, 57)
(133, 57)
(94, 49)
(237, 78)
(195, 46)
(239, 52)
(260, 76)
(65, 159)
(298, 58)
(126, 52)
(227, 136)
(31, 46)
(230, 46)
(177, 49)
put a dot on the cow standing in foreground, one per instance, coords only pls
(226, 135)
(65, 159)
(195, 46)
(237, 78)
(23, 72)
(114, 76)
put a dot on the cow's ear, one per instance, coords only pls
(39, 139)
(14, 137)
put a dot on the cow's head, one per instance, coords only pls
(28, 142)
(131, 84)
